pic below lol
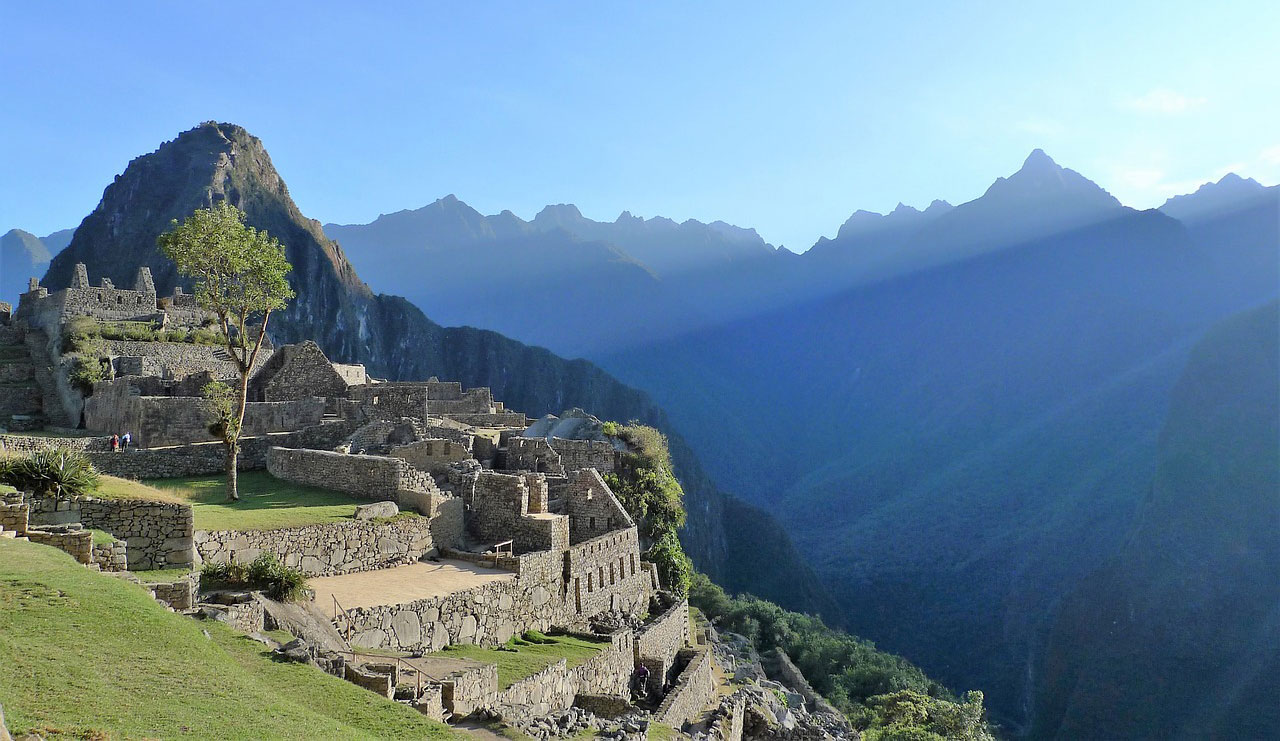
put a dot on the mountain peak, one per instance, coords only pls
(559, 213)
(1230, 193)
(1038, 160)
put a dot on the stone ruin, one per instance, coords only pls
(517, 516)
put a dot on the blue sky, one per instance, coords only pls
(785, 117)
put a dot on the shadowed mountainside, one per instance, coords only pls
(1179, 635)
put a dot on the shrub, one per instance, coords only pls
(533, 636)
(266, 573)
(675, 570)
(86, 371)
(57, 472)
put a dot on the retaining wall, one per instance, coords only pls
(157, 534)
(324, 550)
(692, 691)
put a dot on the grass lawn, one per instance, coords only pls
(163, 576)
(526, 660)
(102, 537)
(83, 655)
(265, 502)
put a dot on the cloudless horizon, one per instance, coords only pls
(782, 119)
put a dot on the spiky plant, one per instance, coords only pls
(57, 472)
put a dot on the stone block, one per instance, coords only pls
(375, 510)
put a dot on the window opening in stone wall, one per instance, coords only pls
(612, 580)
(590, 586)
(633, 564)
(119, 299)
(593, 523)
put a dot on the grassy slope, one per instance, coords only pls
(528, 659)
(84, 652)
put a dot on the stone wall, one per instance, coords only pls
(14, 516)
(493, 419)
(376, 477)
(576, 454)
(172, 360)
(605, 574)
(158, 534)
(23, 444)
(117, 407)
(607, 673)
(180, 594)
(692, 691)
(592, 508)
(111, 556)
(500, 511)
(539, 694)
(727, 720)
(658, 641)
(297, 371)
(466, 690)
(78, 543)
(533, 454)
(432, 454)
(487, 615)
(325, 550)
(208, 459)
(781, 668)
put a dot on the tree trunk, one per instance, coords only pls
(233, 439)
(233, 490)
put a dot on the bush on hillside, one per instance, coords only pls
(86, 371)
(647, 487)
(266, 573)
(57, 472)
(884, 695)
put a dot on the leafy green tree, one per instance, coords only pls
(239, 275)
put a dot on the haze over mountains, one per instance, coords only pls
(956, 412)
(971, 419)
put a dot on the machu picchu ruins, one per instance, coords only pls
(470, 524)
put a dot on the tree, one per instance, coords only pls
(239, 276)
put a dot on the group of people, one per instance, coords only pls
(120, 442)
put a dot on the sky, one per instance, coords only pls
(785, 117)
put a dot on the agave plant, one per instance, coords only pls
(57, 472)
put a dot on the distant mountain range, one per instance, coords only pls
(23, 255)
(958, 413)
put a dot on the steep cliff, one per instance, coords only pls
(1179, 635)
(394, 338)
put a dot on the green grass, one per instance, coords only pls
(102, 537)
(83, 655)
(279, 636)
(113, 488)
(527, 659)
(661, 732)
(162, 576)
(265, 502)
